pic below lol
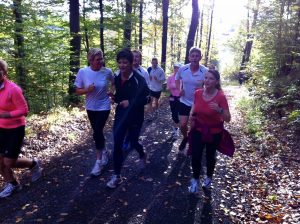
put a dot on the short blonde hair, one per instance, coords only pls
(93, 52)
(3, 65)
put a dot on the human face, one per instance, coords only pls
(154, 63)
(125, 66)
(136, 59)
(97, 62)
(176, 69)
(210, 81)
(195, 58)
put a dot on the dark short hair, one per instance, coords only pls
(125, 54)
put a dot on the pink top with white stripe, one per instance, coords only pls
(13, 102)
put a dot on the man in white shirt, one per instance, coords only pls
(137, 59)
(157, 78)
(192, 78)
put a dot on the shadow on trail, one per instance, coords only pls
(157, 194)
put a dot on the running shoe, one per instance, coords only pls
(183, 144)
(98, 167)
(9, 189)
(36, 171)
(105, 156)
(194, 186)
(207, 182)
(114, 181)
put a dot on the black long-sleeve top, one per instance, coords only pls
(136, 91)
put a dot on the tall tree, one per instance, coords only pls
(86, 33)
(165, 33)
(207, 52)
(101, 25)
(193, 28)
(74, 47)
(19, 44)
(250, 35)
(141, 25)
(127, 24)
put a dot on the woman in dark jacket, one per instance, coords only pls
(132, 93)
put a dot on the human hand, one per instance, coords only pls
(214, 106)
(155, 78)
(90, 88)
(124, 103)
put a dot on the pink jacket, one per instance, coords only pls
(13, 102)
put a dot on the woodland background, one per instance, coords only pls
(45, 43)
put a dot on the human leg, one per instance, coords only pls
(211, 149)
(197, 150)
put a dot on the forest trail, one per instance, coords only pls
(157, 194)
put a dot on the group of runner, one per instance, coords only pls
(132, 88)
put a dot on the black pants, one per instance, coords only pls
(133, 132)
(174, 105)
(197, 151)
(98, 120)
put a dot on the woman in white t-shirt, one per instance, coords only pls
(95, 82)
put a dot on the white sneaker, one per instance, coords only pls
(194, 186)
(36, 171)
(105, 155)
(207, 182)
(98, 167)
(114, 181)
(9, 189)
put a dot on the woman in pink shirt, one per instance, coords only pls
(174, 100)
(13, 109)
(208, 114)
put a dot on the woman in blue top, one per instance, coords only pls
(94, 82)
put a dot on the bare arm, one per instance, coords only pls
(81, 91)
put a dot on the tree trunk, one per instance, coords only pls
(250, 36)
(193, 28)
(19, 44)
(209, 34)
(164, 34)
(141, 26)
(74, 48)
(101, 26)
(201, 28)
(127, 24)
(86, 33)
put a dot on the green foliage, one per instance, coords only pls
(254, 118)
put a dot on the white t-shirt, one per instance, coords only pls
(190, 82)
(144, 73)
(98, 99)
(156, 85)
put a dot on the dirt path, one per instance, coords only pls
(157, 194)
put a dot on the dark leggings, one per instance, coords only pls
(98, 120)
(197, 150)
(133, 133)
(174, 105)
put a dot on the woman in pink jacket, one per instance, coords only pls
(13, 109)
